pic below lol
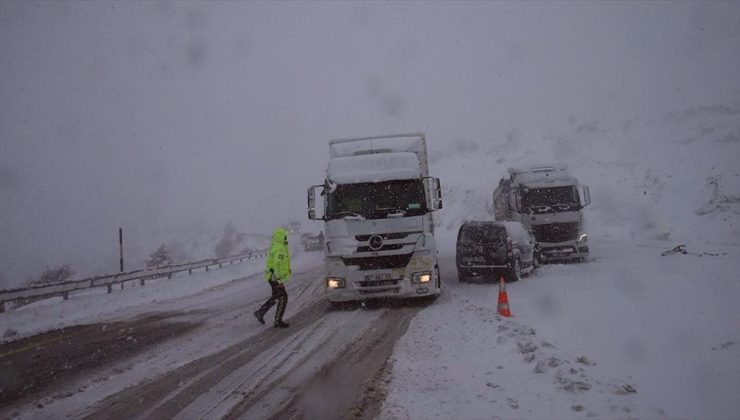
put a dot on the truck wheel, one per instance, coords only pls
(515, 273)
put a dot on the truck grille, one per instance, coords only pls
(555, 232)
(391, 247)
(385, 236)
(374, 263)
(377, 283)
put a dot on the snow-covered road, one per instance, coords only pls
(630, 334)
(203, 355)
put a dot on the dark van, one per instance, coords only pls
(488, 250)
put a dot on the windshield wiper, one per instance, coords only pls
(345, 214)
(563, 206)
(542, 208)
(393, 211)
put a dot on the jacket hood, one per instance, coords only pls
(279, 235)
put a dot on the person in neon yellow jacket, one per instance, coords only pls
(277, 273)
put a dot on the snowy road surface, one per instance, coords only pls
(205, 356)
(630, 334)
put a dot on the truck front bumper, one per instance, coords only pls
(563, 251)
(398, 283)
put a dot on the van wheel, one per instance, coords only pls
(515, 273)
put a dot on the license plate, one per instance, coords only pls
(378, 277)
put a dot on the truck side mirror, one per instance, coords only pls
(312, 202)
(586, 196)
(439, 193)
(433, 193)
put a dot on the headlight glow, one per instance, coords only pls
(582, 238)
(334, 282)
(422, 277)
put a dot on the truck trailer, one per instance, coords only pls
(378, 200)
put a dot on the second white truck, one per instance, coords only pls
(548, 201)
(378, 200)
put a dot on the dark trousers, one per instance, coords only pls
(279, 295)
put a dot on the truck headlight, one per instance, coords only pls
(582, 238)
(422, 277)
(335, 282)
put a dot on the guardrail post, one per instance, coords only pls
(206, 268)
(190, 271)
(169, 275)
(2, 307)
(220, 266)
(142, 281)
(110, 288)
(122, 283)
(65, 295)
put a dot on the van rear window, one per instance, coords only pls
(482, 234)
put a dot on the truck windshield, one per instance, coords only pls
(548, 200)
(378, 200)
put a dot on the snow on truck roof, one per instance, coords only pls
(373, 168)
(414, 142)
(550, 175)
(542, 167)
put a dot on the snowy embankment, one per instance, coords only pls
(96, 305)
(630, 334)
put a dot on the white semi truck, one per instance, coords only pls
(378, 200)
(548, 201)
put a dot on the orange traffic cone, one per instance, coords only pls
(503, 299)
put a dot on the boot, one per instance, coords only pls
(260, 313)
(281, 324)
(260, 317)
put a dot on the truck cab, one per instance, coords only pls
(377, 210)
(548, 201)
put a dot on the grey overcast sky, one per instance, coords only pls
(149, 115)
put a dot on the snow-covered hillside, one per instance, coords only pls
(672, 177)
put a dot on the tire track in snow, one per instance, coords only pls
(167, 394)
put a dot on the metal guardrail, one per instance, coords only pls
(63, 288)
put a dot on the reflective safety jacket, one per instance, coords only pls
(278, 258)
